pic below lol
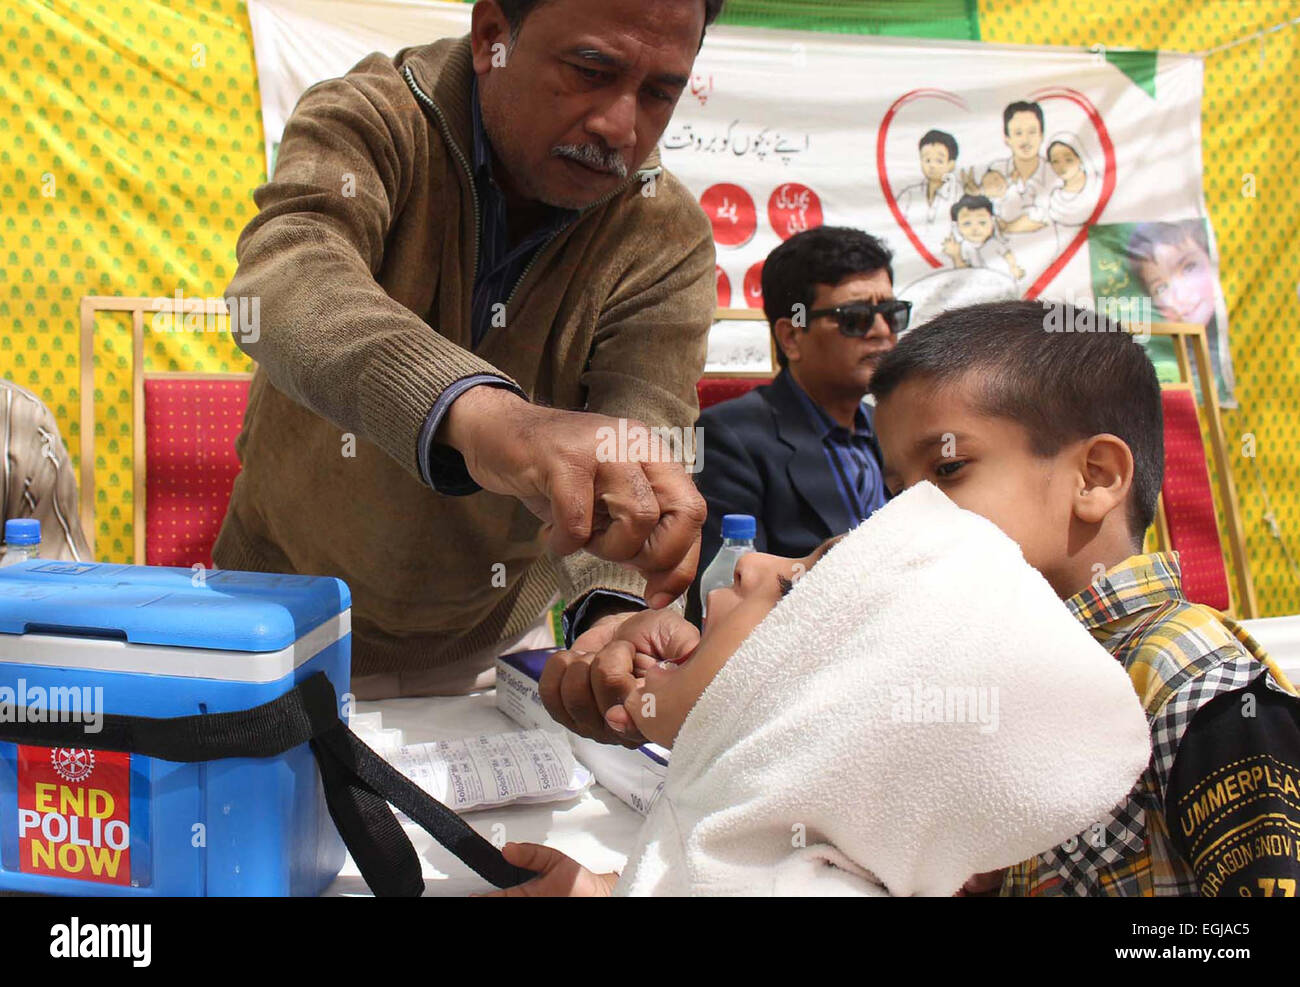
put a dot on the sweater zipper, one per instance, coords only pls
(427, 100)
(581, 213)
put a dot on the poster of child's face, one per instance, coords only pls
(1172, 265)
(1172, 260)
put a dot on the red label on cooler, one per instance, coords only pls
(74, 813)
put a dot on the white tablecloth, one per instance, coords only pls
(595, 829)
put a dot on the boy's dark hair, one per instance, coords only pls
(971, 202)
(940, 137)
(1059, 386)
(1144, 239)
(1021, 106)
(517, 10)
(822, 255)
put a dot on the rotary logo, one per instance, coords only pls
(72, 764)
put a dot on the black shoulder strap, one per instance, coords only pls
(359, 784)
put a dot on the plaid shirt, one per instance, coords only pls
(1180, 656)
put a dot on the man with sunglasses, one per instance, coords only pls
(800, 454)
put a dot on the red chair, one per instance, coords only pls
(190, 425)
(1188, 524)
(714, 390)
(183, 429)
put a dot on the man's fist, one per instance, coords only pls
(644, 511)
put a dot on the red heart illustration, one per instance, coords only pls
(1049, 93)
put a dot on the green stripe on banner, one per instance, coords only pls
(951, 19)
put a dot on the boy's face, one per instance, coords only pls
(934, 162)
(1180, 280)
(660, 705)
(984, 464)
(1023, 134)
(974, 225)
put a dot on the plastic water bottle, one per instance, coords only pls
(737, 539)
(22, 540)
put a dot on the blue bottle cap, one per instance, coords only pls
(738, 526)
(22, 531)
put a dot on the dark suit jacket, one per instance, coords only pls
(762, 456)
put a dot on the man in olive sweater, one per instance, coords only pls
(470, 265)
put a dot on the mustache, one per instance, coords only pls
(592, 156)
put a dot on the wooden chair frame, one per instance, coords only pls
(1243, 601)
(90, 305)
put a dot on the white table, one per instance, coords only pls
(596, 829)
(1280, 637)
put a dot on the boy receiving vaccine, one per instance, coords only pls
(905, 707)
(1057, 438)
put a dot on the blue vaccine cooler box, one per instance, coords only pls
(88, 639)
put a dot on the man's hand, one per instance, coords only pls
(602, 631)
(585, 691)
(558, 876)
(645, 513)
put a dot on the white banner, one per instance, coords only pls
(989, 170)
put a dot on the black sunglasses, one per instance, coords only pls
(855, 318)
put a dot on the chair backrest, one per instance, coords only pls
(190, 425)
(714, 390)
(175, 313)
(1188, 502)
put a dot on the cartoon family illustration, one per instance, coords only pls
(1012, 220)
(1038, 202)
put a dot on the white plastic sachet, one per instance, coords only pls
(486, 771)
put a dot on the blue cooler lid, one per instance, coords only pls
(225, 610)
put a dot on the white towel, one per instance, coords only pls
(811, 766)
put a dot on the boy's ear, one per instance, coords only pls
(1105, 478)
(787, 337)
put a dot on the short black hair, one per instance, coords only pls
(1021, 107)
(971, 202)
(822, 255)
(1060, 386)
(517, 10)
(940, 137)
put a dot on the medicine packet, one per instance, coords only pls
(491, 770)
